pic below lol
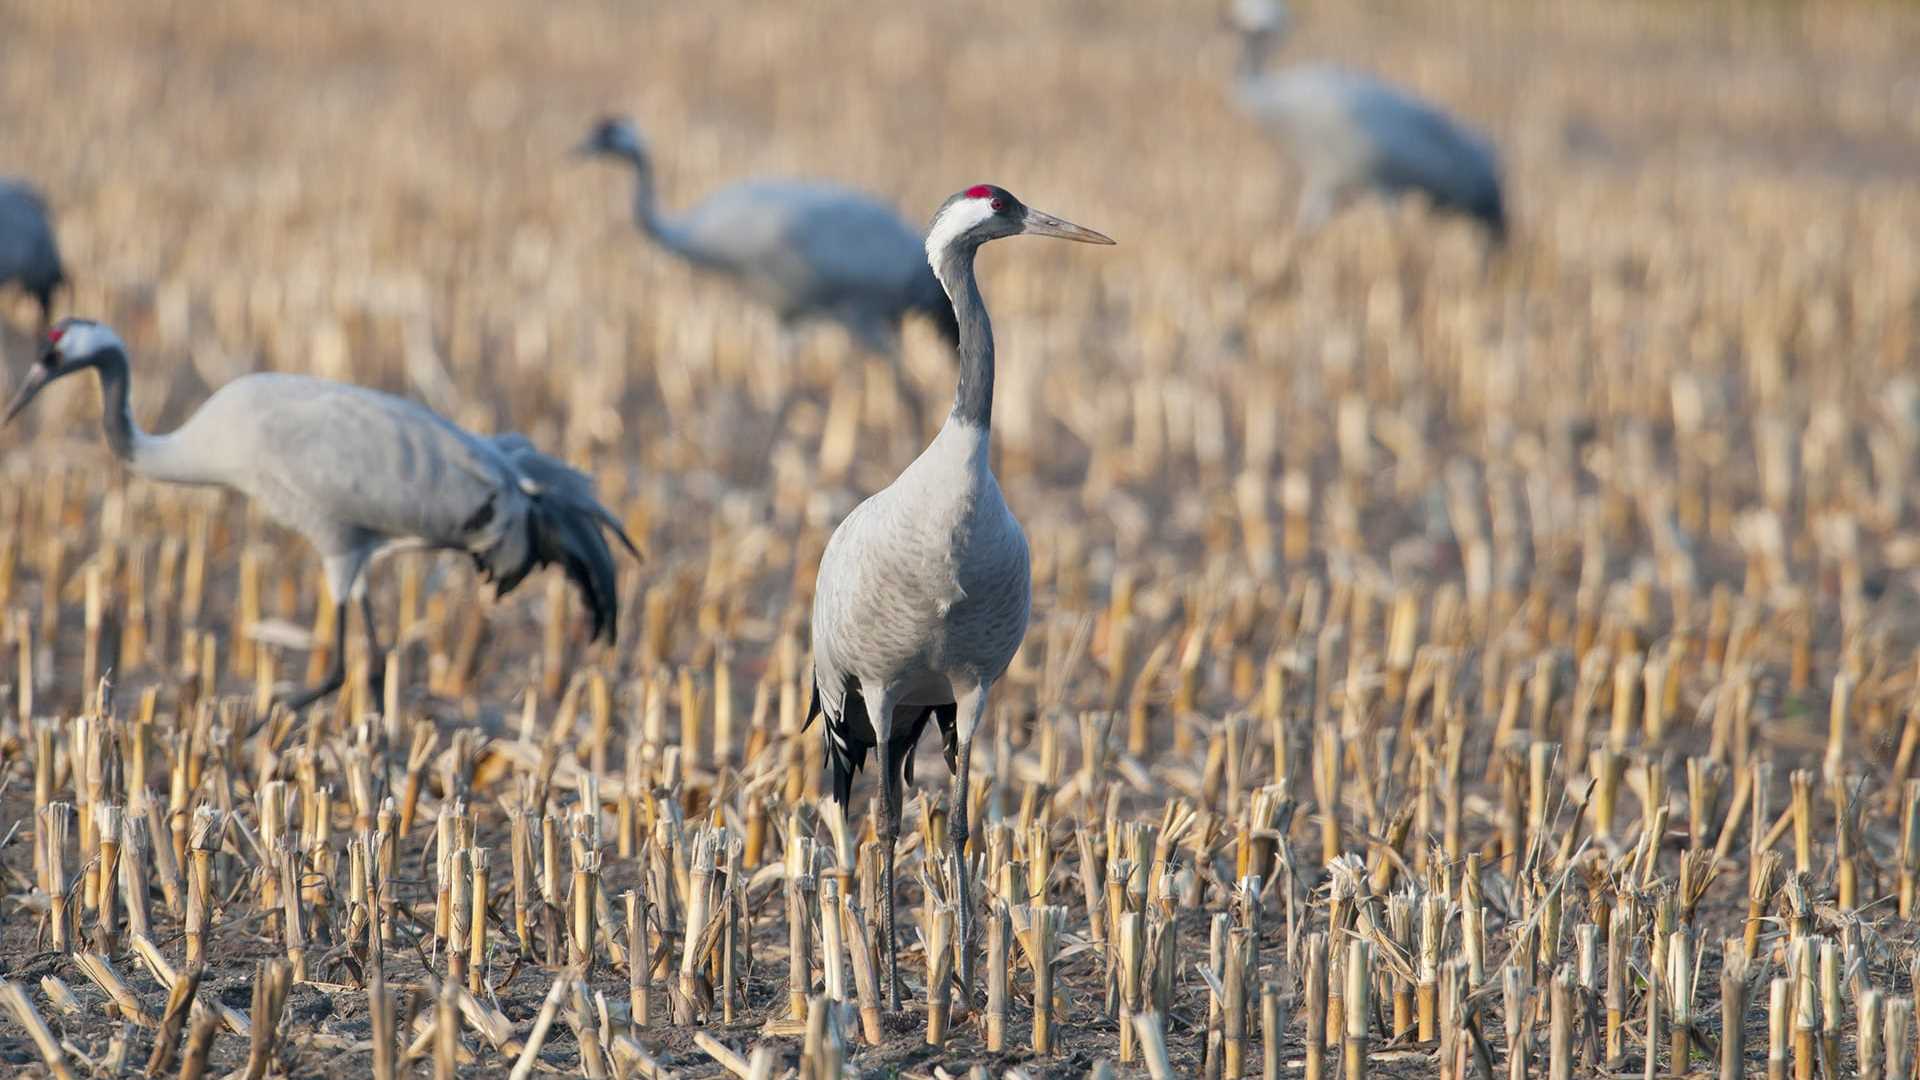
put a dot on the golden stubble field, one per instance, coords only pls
(1627, 511)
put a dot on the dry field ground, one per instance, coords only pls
(1556, 590)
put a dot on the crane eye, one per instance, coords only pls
(999, 205)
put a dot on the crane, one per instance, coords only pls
(1350, 133)
(808, 250)
(923, 591)
(28, 255)
(358, 473)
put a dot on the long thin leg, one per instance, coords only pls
(971, 707)
(889, 838)
(336, 672)
(1318, 202)
(376, 656)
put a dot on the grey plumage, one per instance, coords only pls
(808, 250)
(29, 256)
(1350, 133)
(357, 472)
(924, 589)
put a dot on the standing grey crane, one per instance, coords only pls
(923, 591)
(1351, 133)
(808, 250)
(358, 472)
(28, 254)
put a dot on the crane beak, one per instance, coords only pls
(38, 376)
(1039, 223)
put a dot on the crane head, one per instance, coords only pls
(986, 212)
(72, 345)
(615, 136)
(1269, 17)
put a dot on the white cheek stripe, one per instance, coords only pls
(954, 221)
(87, 338)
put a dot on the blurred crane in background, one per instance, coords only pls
(358, 473)
(809, 250)
(923, 592)
(28, 255)
(1350, 133)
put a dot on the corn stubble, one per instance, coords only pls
(1436, 669)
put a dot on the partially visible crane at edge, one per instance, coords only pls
(28, 255)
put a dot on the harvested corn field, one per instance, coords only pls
(1445, 658)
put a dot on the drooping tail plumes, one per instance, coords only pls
(563, 528)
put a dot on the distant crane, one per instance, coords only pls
(358, 473)
(1350, 133)
(808, 250)
(923, 591)
(28, 255)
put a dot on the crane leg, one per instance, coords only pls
(1317, 205)
(889, 837)
(957, 831)
(336, 675)
(376, 656)
(968, 712)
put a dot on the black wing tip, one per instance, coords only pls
(593, 575)
(1495, 221)
(627, 542)
(605, 621)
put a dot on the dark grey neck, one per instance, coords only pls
(1255, 47)
(116, 413)
(973, 399)
(646, 213)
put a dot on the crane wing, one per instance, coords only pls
(337, 461)
(1421, 148)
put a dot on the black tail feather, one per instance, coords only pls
(565, 528)
(850, 735)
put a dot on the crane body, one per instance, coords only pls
(924, 589)
(1351, 134)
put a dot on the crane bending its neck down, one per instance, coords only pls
(78, 344)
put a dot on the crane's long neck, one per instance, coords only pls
(161, 457)
(646, 209)
(124, 436)
(646, 206)
(973, 398)
(1256, 48)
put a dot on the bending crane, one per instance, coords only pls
(358, 472)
